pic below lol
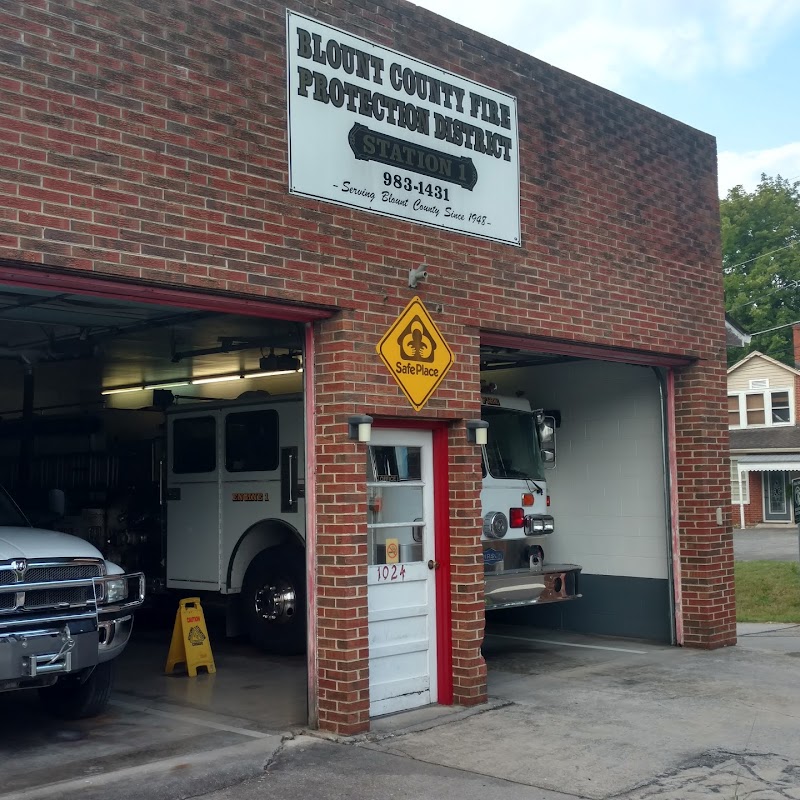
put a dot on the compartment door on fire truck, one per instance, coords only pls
(192, 497)
(402, 569)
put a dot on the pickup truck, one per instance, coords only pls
(65, 614)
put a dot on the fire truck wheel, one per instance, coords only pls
(70, 699)
(274, 600)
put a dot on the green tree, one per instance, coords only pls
(761, 264)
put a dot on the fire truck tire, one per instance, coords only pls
(274, 600)
(70, 699)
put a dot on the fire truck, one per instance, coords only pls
(235, 511)
(515, 504)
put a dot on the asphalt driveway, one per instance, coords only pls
(766, 544)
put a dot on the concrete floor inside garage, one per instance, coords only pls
(211, 730)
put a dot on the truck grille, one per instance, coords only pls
(39, 598)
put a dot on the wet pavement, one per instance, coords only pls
(570, 717)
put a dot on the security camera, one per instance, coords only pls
(416, 275)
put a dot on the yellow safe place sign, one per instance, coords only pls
(415, 353)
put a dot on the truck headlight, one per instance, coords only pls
(495, 525)
(116, 590)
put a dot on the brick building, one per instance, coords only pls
(153, 154)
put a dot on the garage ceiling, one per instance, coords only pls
(494, 358)
(134, 342)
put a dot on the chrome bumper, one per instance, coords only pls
(524, 587)
(34, 652)
(38, 645)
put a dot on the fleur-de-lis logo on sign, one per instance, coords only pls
(416, 343)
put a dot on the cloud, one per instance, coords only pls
(613, 42)
(745, 169)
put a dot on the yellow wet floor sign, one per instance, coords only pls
(190, 644)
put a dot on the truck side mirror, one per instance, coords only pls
(547, 438)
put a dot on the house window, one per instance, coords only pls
(735, 484)
(733, 410)
(755, 409)
(780, 407)
(760, 408)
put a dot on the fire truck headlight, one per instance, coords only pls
(495, 525)
(539, 525)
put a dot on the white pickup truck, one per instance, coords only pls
(65, 615)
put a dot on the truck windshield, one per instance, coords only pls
(10, 515)
(512, 450)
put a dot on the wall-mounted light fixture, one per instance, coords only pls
(359, 428)
(477, 431)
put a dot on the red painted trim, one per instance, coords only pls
(582, 350)
(441, 521)
(309, 396)
(125, 289)
(673, 508)
(444, 624)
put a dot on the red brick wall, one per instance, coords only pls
(148, 141)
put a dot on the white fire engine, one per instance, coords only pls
(515, 506)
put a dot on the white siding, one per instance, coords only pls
(758, 369)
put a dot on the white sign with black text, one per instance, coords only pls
(380, 131)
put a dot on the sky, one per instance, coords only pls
(727, 67)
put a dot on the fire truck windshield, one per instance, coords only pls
(513, 447)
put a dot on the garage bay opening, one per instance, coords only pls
(171, 440)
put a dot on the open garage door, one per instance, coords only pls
(608, 490)
(151, 431)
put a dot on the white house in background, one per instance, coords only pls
(764, 421)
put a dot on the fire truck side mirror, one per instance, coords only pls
(547, 438)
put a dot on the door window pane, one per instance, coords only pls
(393, 464)
(251, 441)
(777, 493)
(194, 445)
(395, 510)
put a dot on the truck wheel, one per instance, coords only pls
(70, 699)
(274, 600)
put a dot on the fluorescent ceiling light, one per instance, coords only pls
(199, 381)
(165, 385)
(123, 390)
(217, 379)
(274, 372)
